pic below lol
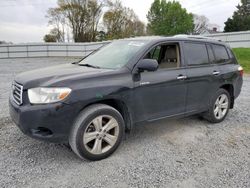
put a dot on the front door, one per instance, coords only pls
(161, 93)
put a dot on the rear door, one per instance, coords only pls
(203, 77)
(227, 67)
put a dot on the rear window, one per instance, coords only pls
(220, 53)
(196, 54)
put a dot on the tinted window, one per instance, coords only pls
(210, 54)
(196, 54)
(221, 54)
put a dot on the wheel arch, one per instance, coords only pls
(230, 89)
(120, 106)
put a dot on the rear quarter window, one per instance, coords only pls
(220, 53)
(230, 53)
(196, 54)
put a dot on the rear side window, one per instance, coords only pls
(196, 54)
(220, 53)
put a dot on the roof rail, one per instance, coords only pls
(196, 37)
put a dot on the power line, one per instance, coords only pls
(201, 3)
(207, 3)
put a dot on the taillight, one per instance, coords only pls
(240, 69)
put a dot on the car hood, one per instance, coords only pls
(52, 75)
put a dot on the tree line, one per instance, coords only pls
(87, 21)
(98, 20)
(240, 20)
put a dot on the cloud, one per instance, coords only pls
(217, 11)
(20, 33)
(141, 7)
(25, 11)
(24, 20)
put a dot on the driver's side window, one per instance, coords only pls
(167, 55)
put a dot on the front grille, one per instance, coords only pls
(17, 92)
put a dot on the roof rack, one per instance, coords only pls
(196, 37)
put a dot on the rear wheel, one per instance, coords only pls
(219, 107)
(97, 132)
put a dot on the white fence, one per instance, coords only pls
(49, 49)
(234, 39)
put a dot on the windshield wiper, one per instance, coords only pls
(88, 65)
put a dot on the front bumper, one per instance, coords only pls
(50, 122)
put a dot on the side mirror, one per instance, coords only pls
(147, 65)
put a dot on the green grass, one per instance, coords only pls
(243, 56)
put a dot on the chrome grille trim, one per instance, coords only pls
(17, 93)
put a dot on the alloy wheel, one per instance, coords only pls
(221, 106)
(101, 134)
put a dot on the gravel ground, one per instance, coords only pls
(188, 152)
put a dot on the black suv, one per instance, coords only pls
(90, 104)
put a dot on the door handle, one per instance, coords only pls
(181, 77)
(216, 73)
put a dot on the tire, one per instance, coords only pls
(216, 107)
(90, 143)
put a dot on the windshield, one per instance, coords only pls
(114, 55)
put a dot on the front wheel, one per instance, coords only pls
(219, 107)
(97, 132)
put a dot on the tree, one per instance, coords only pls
(122, 22)
(83, 19)
(101, 36)
(201, 24)
(4, 42)
(240, 20)
(53, 36)
(169, 18)
(57, 19)
(49, 38)
(82, 16)
(139, 28)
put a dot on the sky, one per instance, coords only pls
(24, 20)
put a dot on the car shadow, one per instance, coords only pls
(169, 132)
(166, 127)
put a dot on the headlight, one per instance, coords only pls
(47, 95)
